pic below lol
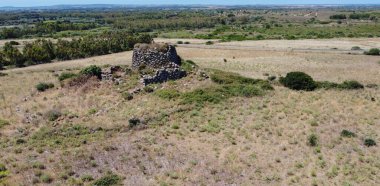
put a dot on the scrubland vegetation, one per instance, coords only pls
(247, 113)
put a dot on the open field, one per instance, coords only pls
(243, 141)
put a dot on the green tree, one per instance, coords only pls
(39, 51)
(13, 55)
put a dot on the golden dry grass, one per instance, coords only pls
(243, 141)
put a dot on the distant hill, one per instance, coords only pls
(176, 6)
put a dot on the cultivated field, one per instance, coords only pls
(242, 141)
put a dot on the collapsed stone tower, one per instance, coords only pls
(162, 59)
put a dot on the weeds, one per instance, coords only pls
(3, 123)
(167, 94)
(108, 180)
(65, 76)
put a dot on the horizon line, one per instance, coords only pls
(117, 4)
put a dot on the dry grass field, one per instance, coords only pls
(261, 140)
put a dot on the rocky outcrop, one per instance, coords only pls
(161, 58)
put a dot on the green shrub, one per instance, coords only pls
(312, 140)
(14, 43)
(45, 178)
(187, 42)
(350, 85)
(108, 180)
(133, 122)
(2, 167)
(92, 70)
(3, 123)
(338, 16)
(298, 81)
(3, 172)
(355, 48)
(65, 76)
(209, 43)
(44, 86)
(373, 52)
(272, 78)
(53, 115)
(127, 96)
(227, 85)
(38, 165)
(201, 96)
(327, 85)
(242, 90)
(188, 66)
(347, 134)
(222, 77)
(148, 89)
(168, 94)
(369, 142)
(179, 42)
(87, 178)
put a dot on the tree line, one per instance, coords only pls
(44, 51)
(43, 28)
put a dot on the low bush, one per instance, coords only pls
(217, 94)
(45, 178)
(2, 167)
(298, 81)
(209, 43)
(355, 48)
(92, 70)
(312, 140)
(221, 77)
(327, 85)
(168, 94)
(203, 95)
(108, 180)
(134, 122)
(53, 115)
(369, 142)
(65, 76)
(127, 96)
(227, 85)
(179, 42)
(148, 89)
(87, 178)
(350, 85)
(373, 52)
(14, 43)
(272, 78)
(347, 134)
(186, 42)
(44, 86)
(3, 172)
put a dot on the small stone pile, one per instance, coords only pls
(114, 74)
(161, 58)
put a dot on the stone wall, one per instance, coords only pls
(154, 55)
(162, 58)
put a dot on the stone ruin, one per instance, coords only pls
(161, 59)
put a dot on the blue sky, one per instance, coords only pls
(25, 3)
